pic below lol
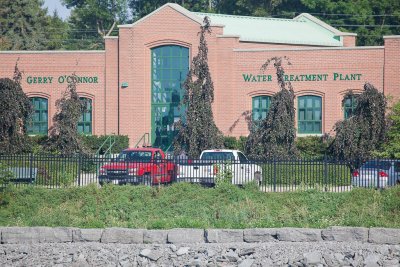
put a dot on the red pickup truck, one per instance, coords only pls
(138, 166)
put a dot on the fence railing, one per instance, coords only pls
(56, 171)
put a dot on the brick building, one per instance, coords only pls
(134, 86)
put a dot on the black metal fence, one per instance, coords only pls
(56, 171)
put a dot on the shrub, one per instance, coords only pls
(313, 146)
(93, 142)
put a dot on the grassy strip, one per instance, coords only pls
(186, 205)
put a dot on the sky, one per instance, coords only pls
(52, 5)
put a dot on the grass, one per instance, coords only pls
(186, 205)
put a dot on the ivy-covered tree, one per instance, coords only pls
(15, 109)
(197, 130)
(358, 136)
(275, 136)
(63, 135)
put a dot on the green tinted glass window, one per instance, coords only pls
(85, 121)
(309, 114)
(260, 107)
(38, 122)
(169, 68)
(350, 104)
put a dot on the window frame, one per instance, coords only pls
(82, 120)
(41, 123)
(312, 109)
(352, 107)
(260, 109)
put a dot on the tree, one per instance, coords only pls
(141, 8)
(91, 20)
(197, 130)
(22, 25)
(391, 148)
(357, 137)
(275, 137)
(63, 135)
(15, 109)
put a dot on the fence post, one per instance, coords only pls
(274, 174)
(79, 169)
(325, 173)
(31, 167)
(377, 174)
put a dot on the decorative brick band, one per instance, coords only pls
(24, 235)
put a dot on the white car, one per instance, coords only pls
(377, 173)
(214, 162)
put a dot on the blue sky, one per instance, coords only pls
(52, 5)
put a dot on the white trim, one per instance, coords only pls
(290, 42)
(54, 52)
(227, 36)
(391, 37)
(310, 134)
(310, 49)
(317, 21)
(347, 34)
(110, 37)
(176, 7)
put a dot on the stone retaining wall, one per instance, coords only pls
(29, 235)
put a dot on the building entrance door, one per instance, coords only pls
(170, 65)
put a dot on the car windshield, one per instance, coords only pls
(382, 165)
(217, 156)
(140, 156)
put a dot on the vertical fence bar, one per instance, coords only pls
(79, 169)
(274, 174)
(325, 173)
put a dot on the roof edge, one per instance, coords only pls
(309, 48)
(318, 21)
(174, 6)
(52, 51)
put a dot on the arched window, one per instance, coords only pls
(310, 114)
(38, 123)
(85, 122)
(349, 105)
(260, 107)
(169, 68)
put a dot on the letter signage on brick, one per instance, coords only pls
(314, 77)
(61, 79)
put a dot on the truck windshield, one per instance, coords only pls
(218, 156)
(140, 156)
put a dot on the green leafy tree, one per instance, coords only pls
(23, 24)
(141, 8)
(15, 109)
(275, 137)
(391, 148)
(57, 33)
(91, 20)
(63, 135)
(197, 131)
(358, 136)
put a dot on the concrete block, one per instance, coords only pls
(185, 236)
(224, 235)
(122, 235)
(30, 235)
(384, 236)
(87, 235)
(298, 235)
(155, 236)
(259, 235)
(345, 234)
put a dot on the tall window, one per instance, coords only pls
(310, 114)
(169, 66)
(85, 122)
(38, 123)
(260, 107)
(350, 104)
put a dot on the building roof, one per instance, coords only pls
(302, 30)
